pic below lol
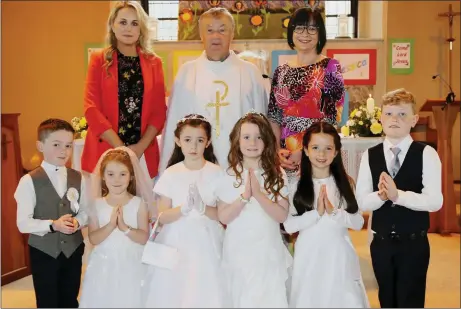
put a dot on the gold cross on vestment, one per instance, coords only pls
(219, 103)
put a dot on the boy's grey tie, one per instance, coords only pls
(395, 164)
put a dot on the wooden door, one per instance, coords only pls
(15, 255)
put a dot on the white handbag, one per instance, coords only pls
(157, 254)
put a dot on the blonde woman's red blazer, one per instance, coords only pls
(102, 110)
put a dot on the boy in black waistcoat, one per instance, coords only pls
(401, 182)
(50, 210)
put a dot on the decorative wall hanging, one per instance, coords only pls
(358, 65)
(258, 19)
(182, 56)
(279, 57)
(166, 63)
(91, 48)
(401, 56)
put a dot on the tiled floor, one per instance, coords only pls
(443, 286)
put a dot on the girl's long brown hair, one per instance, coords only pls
(303, 199)
(270, 162)
(122, 157)
(195, 121)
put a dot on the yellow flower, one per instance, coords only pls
(345, 131)
(82, 122)
(361, 122)
(83, 134)
(376, 128)
(353, 113)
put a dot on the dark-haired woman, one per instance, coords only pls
(309, 90)
(326, 271)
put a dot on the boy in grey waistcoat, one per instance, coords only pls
(49, 208)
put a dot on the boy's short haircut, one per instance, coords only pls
(400, 96)
(52, 125)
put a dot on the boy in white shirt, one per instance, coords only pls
(49, 208)
(401, 182)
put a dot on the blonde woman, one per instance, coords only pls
(124, 99)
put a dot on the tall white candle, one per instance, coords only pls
(370, 104)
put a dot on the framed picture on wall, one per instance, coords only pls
(182, 56)
(358, 65)
(279, 57)
(401, 55)
(345, 111)
(165, 56)
(91, 48)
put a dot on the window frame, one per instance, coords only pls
(354, 13)
(145, 5)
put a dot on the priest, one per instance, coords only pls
(217, 85)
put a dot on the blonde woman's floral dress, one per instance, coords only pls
(130, 97)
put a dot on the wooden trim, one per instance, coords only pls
(15, 275)
(355, 14)
(145, 6)
(10, 123)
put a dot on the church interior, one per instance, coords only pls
(45, 47)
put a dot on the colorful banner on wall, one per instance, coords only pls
(182, 56)
(280, 57)
(165, 56)
(358, 66)
(401, 56)
(260, 19)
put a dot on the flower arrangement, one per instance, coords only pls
(80, 126)
(363, 123)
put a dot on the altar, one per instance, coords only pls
(351, 152)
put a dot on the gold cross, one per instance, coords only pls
(218, 104)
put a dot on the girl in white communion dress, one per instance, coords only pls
(188, 216)
(118, 228)
(326, 271)
(253, 201)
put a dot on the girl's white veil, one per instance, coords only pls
(143, 186)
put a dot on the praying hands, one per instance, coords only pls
(323, 203)
(194, 202)
(387, 188)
